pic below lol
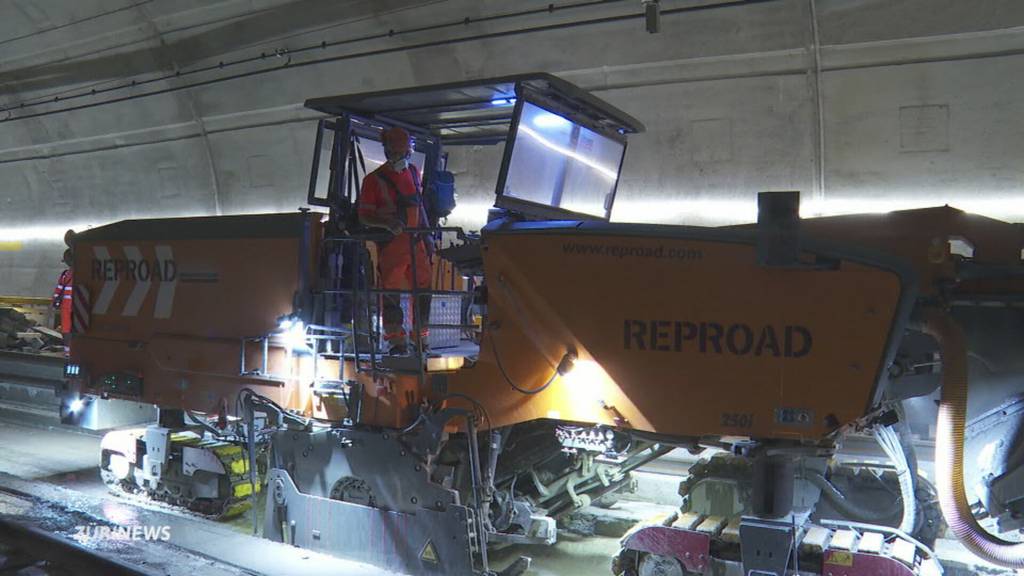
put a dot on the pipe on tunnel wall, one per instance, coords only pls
(949, 448)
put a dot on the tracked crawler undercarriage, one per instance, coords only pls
(184, 468)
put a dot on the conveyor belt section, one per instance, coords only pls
(696, 544)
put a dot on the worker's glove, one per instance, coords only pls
(395, 227)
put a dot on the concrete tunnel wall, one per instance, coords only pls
(919, 100)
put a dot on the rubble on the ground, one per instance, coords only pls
(19, 333)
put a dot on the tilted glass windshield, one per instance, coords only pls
(560, 164)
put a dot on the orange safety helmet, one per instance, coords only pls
(396, 140)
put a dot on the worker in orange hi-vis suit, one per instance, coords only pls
(62, 297)
(391, 198)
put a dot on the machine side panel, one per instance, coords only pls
(172, 310)
(209, 288)
(686, 337)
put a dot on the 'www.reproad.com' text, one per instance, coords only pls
(616, 251)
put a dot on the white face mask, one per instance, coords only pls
(401, 162)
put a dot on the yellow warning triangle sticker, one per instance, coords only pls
(429, 554)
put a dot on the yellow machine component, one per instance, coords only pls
(202, 474)
(236, 464)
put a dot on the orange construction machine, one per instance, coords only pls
(563, 352)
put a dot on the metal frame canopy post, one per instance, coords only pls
(346, 131)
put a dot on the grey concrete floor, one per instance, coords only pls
(34, 450)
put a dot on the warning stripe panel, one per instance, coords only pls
(80, 309)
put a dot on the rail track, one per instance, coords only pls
(49, 538)
(26, 547)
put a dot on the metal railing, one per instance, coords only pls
(358, 336)
(365, 295)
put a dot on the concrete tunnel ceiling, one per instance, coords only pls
(862, 105)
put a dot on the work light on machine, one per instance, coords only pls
(567, 363)
(292, 332)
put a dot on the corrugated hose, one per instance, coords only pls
(949, 448)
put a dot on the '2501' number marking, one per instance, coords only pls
(734, 420)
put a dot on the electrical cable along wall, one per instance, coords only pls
(290, 56)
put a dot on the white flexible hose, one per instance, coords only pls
(889, 440)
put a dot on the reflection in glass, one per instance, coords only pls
(558, 163)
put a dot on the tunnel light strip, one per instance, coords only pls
(610, 174)
(745, 211)
(10, 233)
(38, 233)
(473, 214)
(1007, 208)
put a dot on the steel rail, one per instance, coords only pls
(55, 549)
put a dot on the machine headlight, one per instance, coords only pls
(295, 336)
(567, 363)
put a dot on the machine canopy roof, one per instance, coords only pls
(478, 111)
